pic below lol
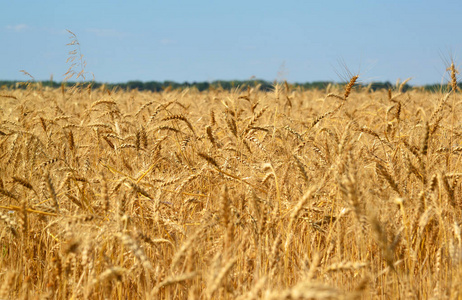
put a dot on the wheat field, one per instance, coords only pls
(343, 193)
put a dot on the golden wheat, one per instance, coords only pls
(289, 194)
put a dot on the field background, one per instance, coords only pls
(184, 194)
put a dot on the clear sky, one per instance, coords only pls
(299, 41)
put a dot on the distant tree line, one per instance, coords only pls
(157, 86)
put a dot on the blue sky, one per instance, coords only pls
(298, 41)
